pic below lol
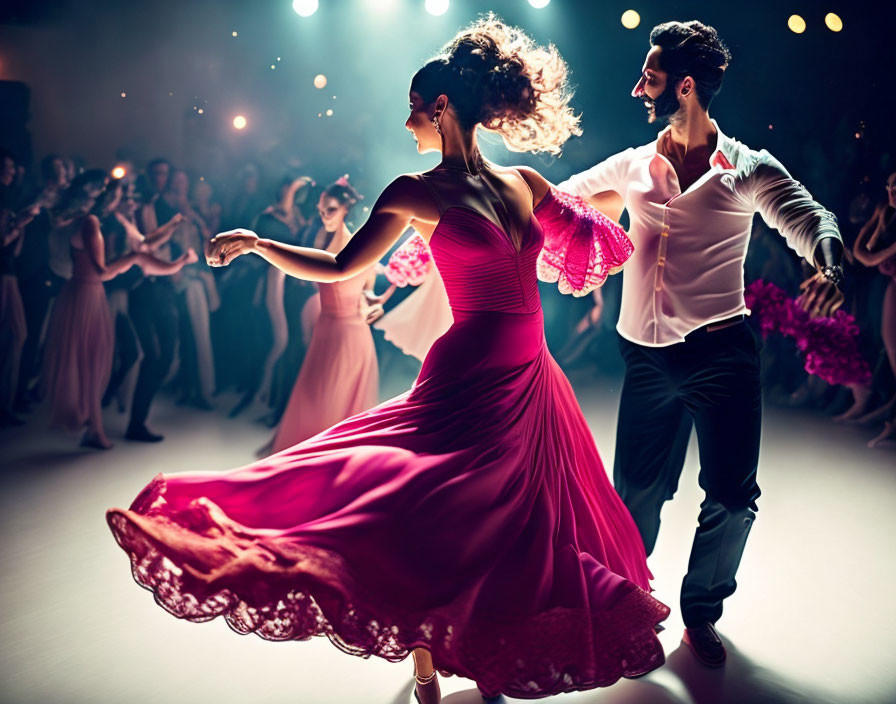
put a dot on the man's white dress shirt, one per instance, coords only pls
(688, 266)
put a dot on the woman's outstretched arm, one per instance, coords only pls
(404, 201)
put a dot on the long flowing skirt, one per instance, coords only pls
(470, 516)
(78, 358)
(339, 378)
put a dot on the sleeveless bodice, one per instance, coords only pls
(343, 298)
(83, 269)
(481, 267)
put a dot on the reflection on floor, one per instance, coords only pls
(812, 620)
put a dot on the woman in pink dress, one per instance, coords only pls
(81, 337)
(468, 521)
(339, 375)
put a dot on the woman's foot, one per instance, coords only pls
(96, 442)
(426, 689)
(855, 411)
(888, 433)
(876, 414)
(426, 684)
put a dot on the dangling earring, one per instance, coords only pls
(435, 123)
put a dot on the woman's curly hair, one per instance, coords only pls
(496, 76)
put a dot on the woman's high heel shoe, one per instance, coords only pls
(426, 690)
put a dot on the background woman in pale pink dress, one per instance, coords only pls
(81, 338)
(339, 376)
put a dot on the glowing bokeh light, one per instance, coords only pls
(630, 19)
(538, 4)
(200, 111)
(118, 172)
(796, 24)
(124, 95)
(330, 113)
(437, 7)
(833, 22)
(304, 8)
(239, 122)
(320, 81)
(234, 33)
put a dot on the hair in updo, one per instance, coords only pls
(343, 192)
(497, 76)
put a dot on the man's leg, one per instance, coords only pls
(140, 308)
(723, 392)
(651, 437)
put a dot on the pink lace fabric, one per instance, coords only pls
(200, 564)
(581, 245)
(829, 344)
(410, 263)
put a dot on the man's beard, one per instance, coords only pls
(665, 105)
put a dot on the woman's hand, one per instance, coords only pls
(375, 313)
(227, 246)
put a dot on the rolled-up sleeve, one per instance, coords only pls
(609, 175)
(786, 205)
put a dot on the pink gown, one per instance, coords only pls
(339, 376)
(470, 515)
(80, 346)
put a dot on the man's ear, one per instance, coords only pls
(687, 86)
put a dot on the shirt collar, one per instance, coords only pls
(724, 155)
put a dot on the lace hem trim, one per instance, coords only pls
(200, 565)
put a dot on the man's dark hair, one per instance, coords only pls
(692, 49)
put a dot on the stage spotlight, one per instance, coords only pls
(630, 19)
(796, 24)
(320, 81)
(239, 122)
(118, 172)
(437, 7)
(833, 21)
(304, 8)
(538, 4)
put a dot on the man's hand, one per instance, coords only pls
(819, 297)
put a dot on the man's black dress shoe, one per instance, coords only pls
(141, 434)
(705, 644)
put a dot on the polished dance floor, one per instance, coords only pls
(812, 620)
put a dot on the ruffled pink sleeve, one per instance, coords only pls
(410, 263)
(581, 245)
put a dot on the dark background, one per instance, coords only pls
(826, 95)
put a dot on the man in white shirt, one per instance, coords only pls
(691, 360)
